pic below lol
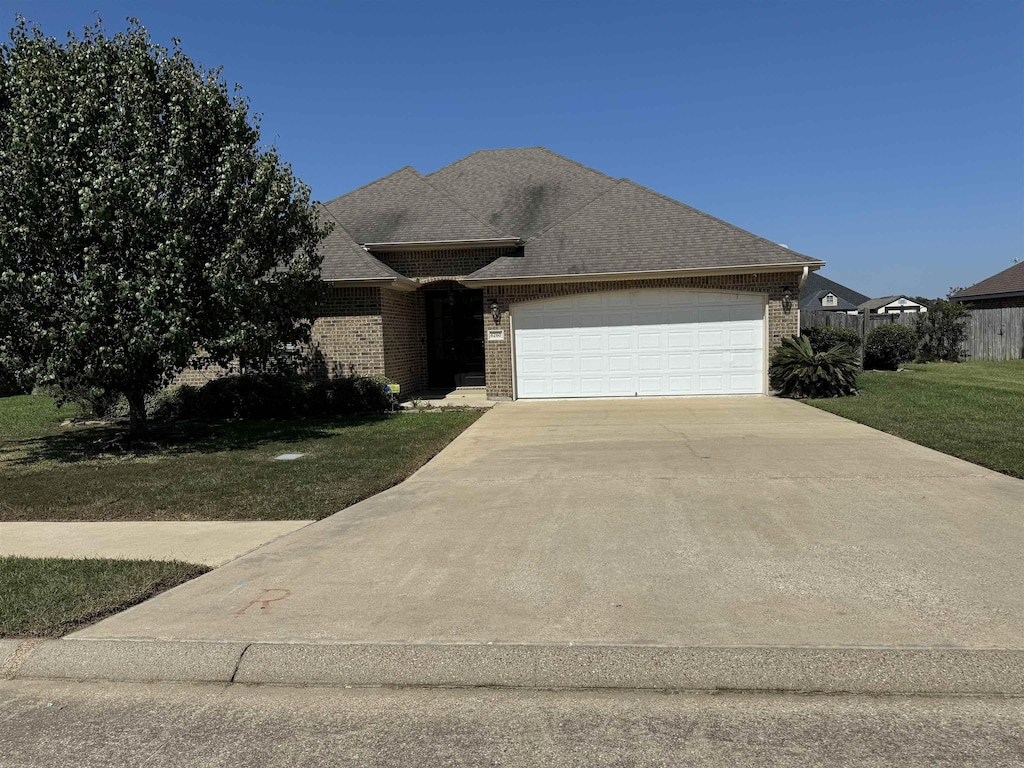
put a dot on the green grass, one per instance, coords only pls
(49, 597)
(974, 411)
(195, 471)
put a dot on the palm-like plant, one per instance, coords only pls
(798, 371)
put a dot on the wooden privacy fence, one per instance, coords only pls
(992, 334)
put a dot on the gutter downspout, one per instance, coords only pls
(803, 279)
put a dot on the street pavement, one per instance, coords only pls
(49, 724)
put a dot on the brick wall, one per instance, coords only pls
(431, 265)
(499, 353)
(405, 338)
(347, 338)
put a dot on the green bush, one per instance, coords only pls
(943, 330)
(798, 371)
(889, 346)
(824, 337)
(270, 396)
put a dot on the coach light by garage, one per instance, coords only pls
(787, 299)
(495, 312)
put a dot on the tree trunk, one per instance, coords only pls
(136, 413)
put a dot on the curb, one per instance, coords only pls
(937, 671)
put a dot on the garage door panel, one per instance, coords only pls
(653, 342)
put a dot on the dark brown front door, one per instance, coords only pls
(455, 337)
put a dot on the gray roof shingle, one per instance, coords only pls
(520, 191)
(575, 221)
(1009, 281)
(344, 259)
(633, 229)
(405, 207)
(817, 286)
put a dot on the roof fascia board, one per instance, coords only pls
(436, 245)
(980, 296)
(376, 282)
(642, 275)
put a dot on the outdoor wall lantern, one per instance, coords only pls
(787, 299)
(495, 312)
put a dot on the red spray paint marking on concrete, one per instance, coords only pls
(264, 601)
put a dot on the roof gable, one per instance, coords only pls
(1010, 281)
(405, 207)
(633, 229)
(816, 283)
(520, 192)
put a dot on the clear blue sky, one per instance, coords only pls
(886, 138)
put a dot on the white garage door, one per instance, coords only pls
(636, 343)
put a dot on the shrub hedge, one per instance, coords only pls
(267, 396)
(823, 338)
(889, 346)
(798, 371)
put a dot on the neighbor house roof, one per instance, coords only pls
(1009, 282)
(562, 218)
(812, 302)
(871, 304)
(817, 286)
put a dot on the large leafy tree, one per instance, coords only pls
(141, 219)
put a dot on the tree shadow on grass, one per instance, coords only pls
(170, 439)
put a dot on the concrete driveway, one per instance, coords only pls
(683, 522)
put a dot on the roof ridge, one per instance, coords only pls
(375, 181)
(575, 162)
(457, 204)
(718, 220)
(541, 233)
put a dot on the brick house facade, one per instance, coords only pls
(436, 280)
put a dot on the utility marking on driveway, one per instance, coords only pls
(263, 600)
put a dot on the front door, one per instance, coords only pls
(455, 337)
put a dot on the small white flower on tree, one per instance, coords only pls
(141, 220)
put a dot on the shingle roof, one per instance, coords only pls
(575, 221)
(520, 191)
(633, 229)
(1009, 281)
(344, 259)
(881, 302)
(405, 207)
(817, 286)
(812, 303)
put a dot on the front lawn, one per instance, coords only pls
(49, 597)
(971, 410)
(198, 471)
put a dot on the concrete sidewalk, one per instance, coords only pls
(208, 543)
(647, 543)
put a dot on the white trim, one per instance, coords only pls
(512, 347)
(596, 277)
(394, 283)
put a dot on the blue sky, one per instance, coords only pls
(886, 138)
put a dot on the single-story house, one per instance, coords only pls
(1005, 289)
(529, 274)
(820, 294)
(892, 305)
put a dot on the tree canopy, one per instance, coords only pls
(141, 218)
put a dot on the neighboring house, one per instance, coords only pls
(1005, 289)
(820, 294)
(534, 276)
(892, 305)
